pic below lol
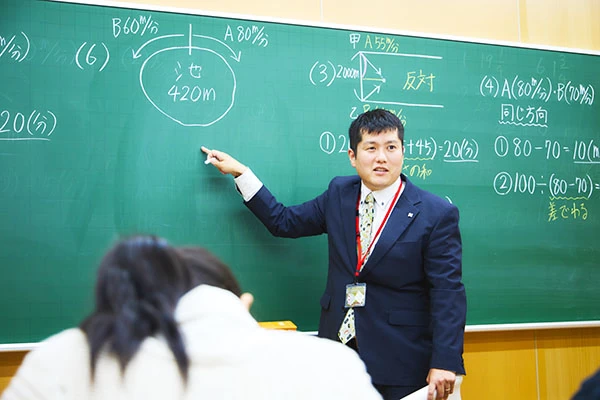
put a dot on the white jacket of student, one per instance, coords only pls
(231, 357)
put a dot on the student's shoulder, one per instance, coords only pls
(68, 342)
(59, 357)
(316, 348)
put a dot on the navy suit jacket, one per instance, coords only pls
(415, 310)
(590, 388)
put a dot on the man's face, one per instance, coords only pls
(378, 159)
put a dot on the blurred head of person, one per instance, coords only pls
(139, 283)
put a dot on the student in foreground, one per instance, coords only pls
(172, 323)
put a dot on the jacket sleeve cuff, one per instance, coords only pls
(448, 361)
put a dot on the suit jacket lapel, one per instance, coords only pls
(400, 219)
(348, 214)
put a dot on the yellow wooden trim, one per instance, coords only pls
(9, 363)
(283, 325)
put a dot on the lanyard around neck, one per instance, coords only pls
(362, 258)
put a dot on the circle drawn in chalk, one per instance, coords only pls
(192, 86)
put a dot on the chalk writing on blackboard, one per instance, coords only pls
(576, 188)
(582, 151)
(512, 114)
(134, 26)
(567, 211)
(373, 78)
(465, 150)
(16, 47)
(540, 88)
(92, 56)
(251, 33)
(35, 125)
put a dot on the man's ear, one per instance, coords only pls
(352, 157)
(247, 299)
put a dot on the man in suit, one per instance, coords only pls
(397, 297)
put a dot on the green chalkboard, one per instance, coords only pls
(103, 111)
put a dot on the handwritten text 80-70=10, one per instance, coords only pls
(583, 151)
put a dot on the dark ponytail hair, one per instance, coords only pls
(139, 282)
(206, 269)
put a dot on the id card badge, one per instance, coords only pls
(356, 295)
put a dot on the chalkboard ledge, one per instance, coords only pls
(469, 328)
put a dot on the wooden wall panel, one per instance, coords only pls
(9, 363)
(309, 10)
(500, 365)
(565, 358)
(471, 18)
(559, 23)
(574, 24)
